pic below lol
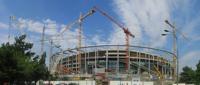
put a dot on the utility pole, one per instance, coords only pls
(42, 40)
(175, 51)
(11, 18)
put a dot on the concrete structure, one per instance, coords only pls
(108, 62)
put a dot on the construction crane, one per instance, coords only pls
(79, 22)
(125, 29)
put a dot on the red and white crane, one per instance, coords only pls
(125, 29)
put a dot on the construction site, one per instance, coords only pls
(99, 42)
(113, 64)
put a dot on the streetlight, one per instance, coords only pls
(175, 50)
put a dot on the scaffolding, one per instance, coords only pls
(106, 60)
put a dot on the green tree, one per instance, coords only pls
(18, 64)
(40, 70)
(187, 76)
(197, 75)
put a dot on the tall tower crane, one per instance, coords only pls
(94, 9)
(79, 21)
(125, 29)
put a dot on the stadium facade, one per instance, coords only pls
(108, 62)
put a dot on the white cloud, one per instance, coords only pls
(4, 38)
(190, 59)
(144, 18)
(37, 26)
(97, 40)
(69, 39)
(117, 37)
(4, 35)
(3, 25)
(52, 26)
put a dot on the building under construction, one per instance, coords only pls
(109, 62)
(113, 62)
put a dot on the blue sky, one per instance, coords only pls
(144, 18)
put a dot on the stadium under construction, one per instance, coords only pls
(108, 62)
(114, 62)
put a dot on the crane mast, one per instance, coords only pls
(80, 20)
(125, 29)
